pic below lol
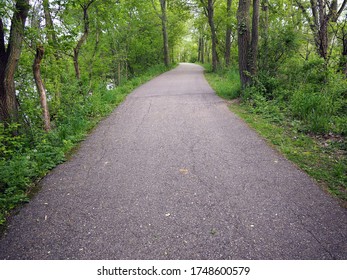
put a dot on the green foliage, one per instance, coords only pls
(313, 108)
(226, 83)
(279, 47)
(26, 157)
(287, 115)
(302, 90)
(10, 141)
(320, 158)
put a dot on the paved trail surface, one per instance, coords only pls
(173, 174)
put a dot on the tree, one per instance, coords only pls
(9, 57)
(208, 7)
(228, 35)
(40, 87)
(163, 6)
(248, 40)
(201, 36)
(85, 6)
(163, 17)
(201, 57)
(343, 38)
(323, 13)
(265, 28)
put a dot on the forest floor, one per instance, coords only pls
(173, 174)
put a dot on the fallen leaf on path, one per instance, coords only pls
(213, 231)
(184, 171)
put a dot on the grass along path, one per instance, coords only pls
(29, 158)
(323, 157)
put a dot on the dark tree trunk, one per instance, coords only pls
(199, 50)
(202, 49)
(343, 60)
(228, 35)
(253, 56)
(40, 87)
(344, 55)
(265, 28)
(248, 40)
(83, 38)
(9, 58)
(322, 36)
(163, 17)
(215, 59)
(163, 6)
(244, 40)
(209, 12)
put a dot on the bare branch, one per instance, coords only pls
(341, 9)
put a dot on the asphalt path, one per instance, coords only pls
(173, 174)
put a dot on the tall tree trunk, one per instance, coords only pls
(209, 12)
(163, 6)
(248, 40)
(343, 60)
(9, 58)
(199, 49)
(322, 30)
(265, 28)
(215, 59)
(344, 55)
(119, 74)
(40, 87)
(202, 49)
(228, 35)
(83, 38)
(253, 55)
(244, 36)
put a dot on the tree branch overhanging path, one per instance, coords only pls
(173, 174)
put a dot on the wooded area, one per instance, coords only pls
(290, 54)
(63, 64)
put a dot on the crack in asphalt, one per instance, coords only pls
(305, 227)
(174, 157)
(144, 117)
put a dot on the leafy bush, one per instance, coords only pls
(280, 47)
(27, 153)
(313, 108)
(226, 82)
(10, 141)
(292, 110)
(322, 108)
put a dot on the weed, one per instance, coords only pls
(26, 157)
(294, 120)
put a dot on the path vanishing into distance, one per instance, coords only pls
(173, 174)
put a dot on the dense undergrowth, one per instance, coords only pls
(29, 153)
(302, 111)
